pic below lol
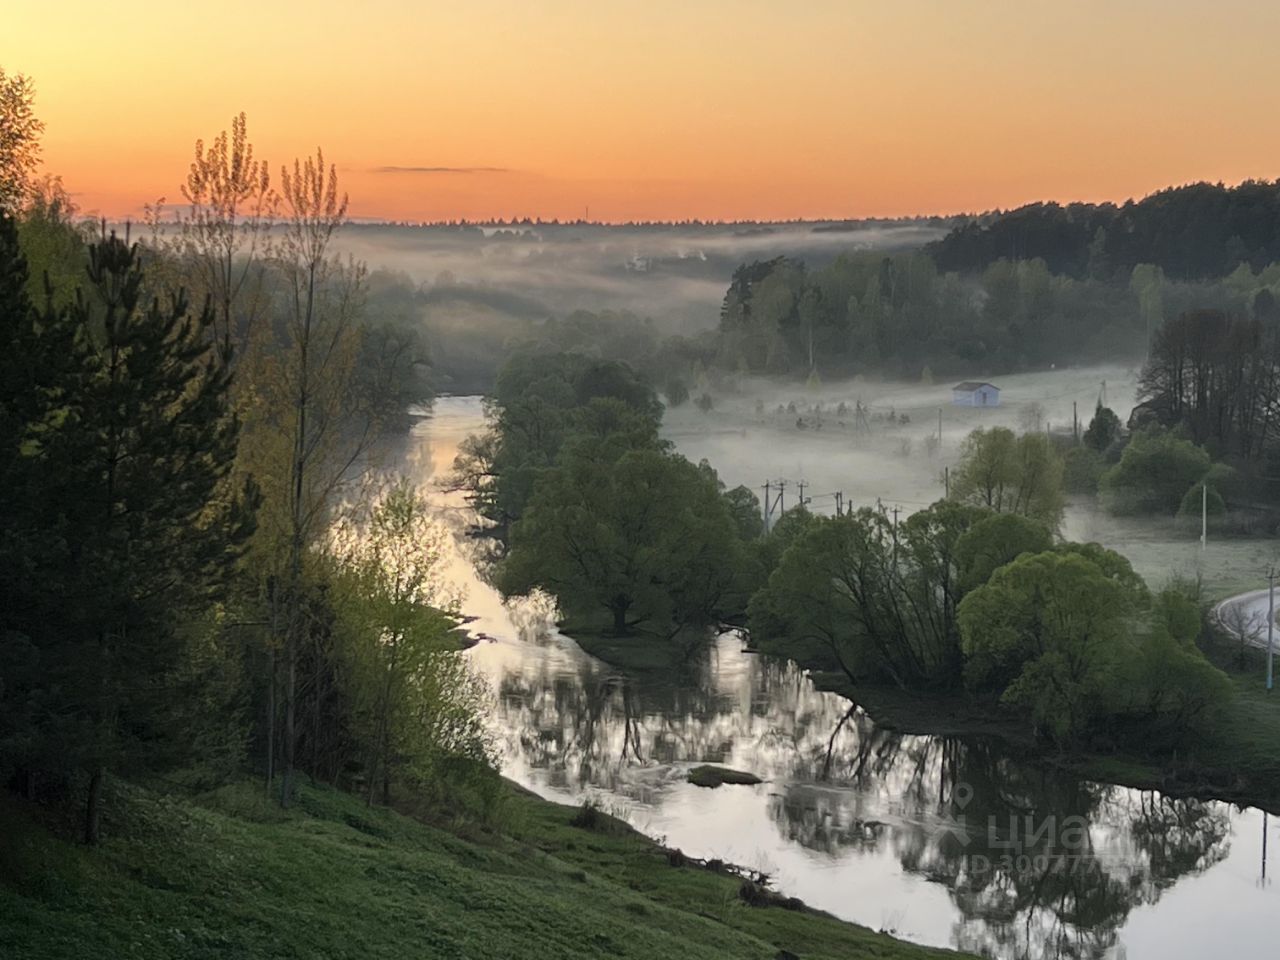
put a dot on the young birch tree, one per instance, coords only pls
(20, 131)
(224, 234)
(308, 426)
(399, 613)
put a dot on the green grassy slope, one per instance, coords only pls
(231, 875)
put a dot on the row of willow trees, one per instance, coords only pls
(201, 564)
(962, 598)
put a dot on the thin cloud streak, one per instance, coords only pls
(433, 170)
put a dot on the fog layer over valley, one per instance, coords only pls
(766, 431)
(675, 274)
(770, 431)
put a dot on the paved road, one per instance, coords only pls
(1245, 616)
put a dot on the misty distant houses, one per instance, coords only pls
(972, 393)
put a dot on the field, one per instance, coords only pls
(887, 459)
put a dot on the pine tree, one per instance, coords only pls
(34, 373)
(125, 457)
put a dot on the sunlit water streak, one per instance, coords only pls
(904, 833)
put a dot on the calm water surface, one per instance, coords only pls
(945, 841)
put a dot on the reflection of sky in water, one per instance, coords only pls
(896, 832)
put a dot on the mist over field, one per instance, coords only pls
(674, 274)
(770, 431)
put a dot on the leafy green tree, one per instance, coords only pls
(803, 604)
(1047, 633)
(1154, 473)
(410, 704)
(744, 508)
(20, 131)
(878, 599)
(994, 541)
(1082, 470)
(223, 235)
(1202, 498)
(538, 403)
(1112, 565)
(1173, 692)
(784, 531)
(645, 537)
(1103, 430)
(1148, 282)
(1007, 473)
(54, 245)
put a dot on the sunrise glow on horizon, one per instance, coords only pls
(703, 110)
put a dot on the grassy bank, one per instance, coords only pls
(231, 875)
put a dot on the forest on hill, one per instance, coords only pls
(1200, 231)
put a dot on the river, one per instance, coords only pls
(939, 840)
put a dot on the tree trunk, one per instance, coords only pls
(271, 710)
(291, 687)
(93, 808)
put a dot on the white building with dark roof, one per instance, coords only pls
(974, 393)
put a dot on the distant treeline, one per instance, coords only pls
(902, 316)
(1197, 232)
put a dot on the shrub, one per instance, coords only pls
(1103, 429)
(1201, 497)
(676, 391)
(1153, 474)
(1082, 469)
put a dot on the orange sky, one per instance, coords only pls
(656, 110)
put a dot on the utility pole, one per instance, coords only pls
(839, 503)
(782, 503)
(1204, 516)
(767, 509)
(1263, 881)
(802, 485)
(895, 534)
(1075, 423)
(1271, 623)
(946, 482)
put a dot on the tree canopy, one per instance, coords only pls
(1007, 473)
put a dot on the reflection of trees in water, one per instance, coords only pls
(1039, 864)
(577, 716)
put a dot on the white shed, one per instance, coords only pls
(972, 393)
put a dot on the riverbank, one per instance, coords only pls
(229, 874)
(1238, 761)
